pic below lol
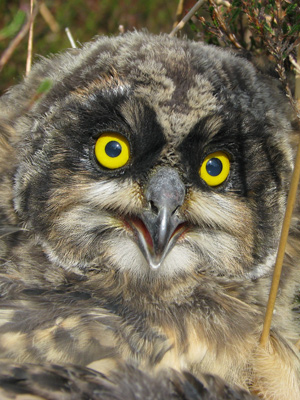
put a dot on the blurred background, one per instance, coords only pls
(265, 31)
(85, 19)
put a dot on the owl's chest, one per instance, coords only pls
(78, 329)
(192, 341)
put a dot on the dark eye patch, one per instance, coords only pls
(118, 112)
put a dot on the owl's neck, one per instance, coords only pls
(180, 291)
(148, 292)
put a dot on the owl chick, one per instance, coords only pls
(141, 200)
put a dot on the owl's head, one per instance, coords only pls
(155, 156)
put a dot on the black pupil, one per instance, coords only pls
(214, 167)
(113, 149)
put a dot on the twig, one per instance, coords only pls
(14, 44)
(48, 17)
(279, 46)
(70, 37)
(296, 64)
(223, 3)
(286, 224)
(187, 17)
(222, 25)
(281, 250)
(30, 40)
(179, 12)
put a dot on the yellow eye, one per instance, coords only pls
(112, 150)
(215, 168)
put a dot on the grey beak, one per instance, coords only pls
(165, 194)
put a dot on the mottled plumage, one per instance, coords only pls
(165, 260)
(72, 382)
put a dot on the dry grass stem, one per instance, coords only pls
(30, 40)
(187, 17)
(48, 17)
(71, 39)
(288, 216)
(297, 77)
(179, 12)
(281, 250)
(296, 66)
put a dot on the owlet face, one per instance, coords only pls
(153, 156)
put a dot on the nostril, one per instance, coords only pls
(174, 211)
(153, 207)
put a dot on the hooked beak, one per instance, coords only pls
(159, 226)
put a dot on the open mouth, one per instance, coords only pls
(156, 241)
(161, 222)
